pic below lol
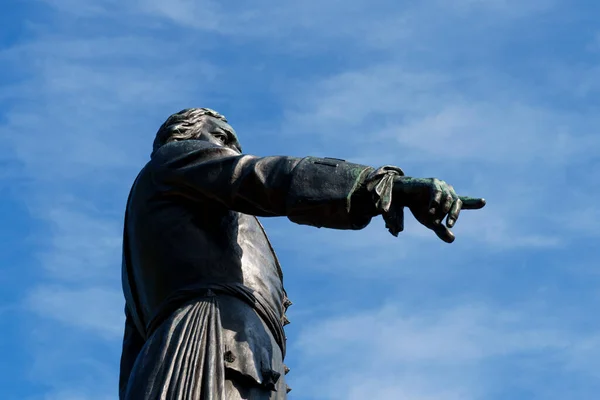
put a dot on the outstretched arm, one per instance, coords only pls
(321, 192)
(312, 191)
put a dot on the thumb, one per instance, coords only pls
(444, 233)
(394, 220)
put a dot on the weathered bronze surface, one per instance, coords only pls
(205, 303)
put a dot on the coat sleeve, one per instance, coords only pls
(320, 192)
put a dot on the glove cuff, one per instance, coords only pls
(380, 185)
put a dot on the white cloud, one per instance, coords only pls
(77, 395)
(96, 310)
(467, 334)
(377, 82)
(81, 247)
(429, 112)
(299, 26)
(505, 8)
(443, 353)
(203, 15)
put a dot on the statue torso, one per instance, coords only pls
(176, 244)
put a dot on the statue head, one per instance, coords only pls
(198, 124)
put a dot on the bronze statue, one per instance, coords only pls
(205, 303)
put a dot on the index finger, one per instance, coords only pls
(472, 203)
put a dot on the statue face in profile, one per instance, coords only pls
(218, 132)
(197, 124)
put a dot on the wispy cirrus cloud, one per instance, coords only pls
(81, 247)
(447, 352)
(95, 310)
(467, 91)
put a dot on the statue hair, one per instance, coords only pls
(183, 125)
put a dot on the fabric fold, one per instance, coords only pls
(182, 359)
(380, 183)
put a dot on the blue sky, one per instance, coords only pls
(497, 97)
